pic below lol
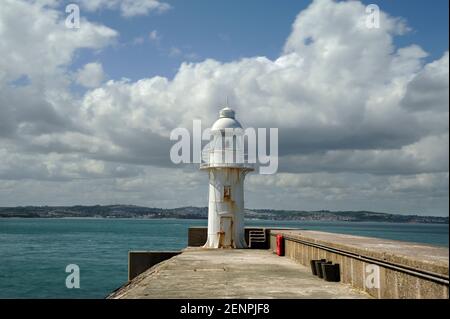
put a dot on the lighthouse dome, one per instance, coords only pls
(226, 120)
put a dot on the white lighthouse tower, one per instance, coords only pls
(227, 166)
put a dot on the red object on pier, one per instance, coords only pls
(280, 245)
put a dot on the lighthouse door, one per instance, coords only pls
(226, 232)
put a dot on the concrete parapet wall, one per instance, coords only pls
(197, 236)
(140, 261)
(382, 268)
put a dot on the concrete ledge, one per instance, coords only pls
(395, 269)
(197, 236)
(140, 261)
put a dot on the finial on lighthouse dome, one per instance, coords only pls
(227, 112)
(226, 120)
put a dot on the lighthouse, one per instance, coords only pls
(226, 163)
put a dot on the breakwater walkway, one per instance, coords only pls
(367, 267)
(232, 273)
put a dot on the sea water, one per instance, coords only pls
(34, 253)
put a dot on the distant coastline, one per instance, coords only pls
(139, 212)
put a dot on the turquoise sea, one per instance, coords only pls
(34, 253)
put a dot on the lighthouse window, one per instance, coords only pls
(226, 192)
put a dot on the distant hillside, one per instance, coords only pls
(131, 211)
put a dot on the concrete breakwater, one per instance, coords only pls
(369, 267)
(385, 269)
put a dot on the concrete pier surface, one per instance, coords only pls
(231, 273)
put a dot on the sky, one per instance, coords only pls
(362, 113)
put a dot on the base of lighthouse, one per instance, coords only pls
(226, 208)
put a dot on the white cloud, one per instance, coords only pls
(34, 36)
(332, 114)
(91, 75)
(358, 124)
(36, 44)
(428, 91)
(153, 36)
(428, 155)
(435, 185)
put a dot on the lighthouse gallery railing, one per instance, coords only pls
(226, 157)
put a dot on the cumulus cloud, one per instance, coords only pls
(428, 91)
(36, 44)
(412, 194)
(360, 120)
(330, 113)
(91, 75)
(34, 36)
(60, 167)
